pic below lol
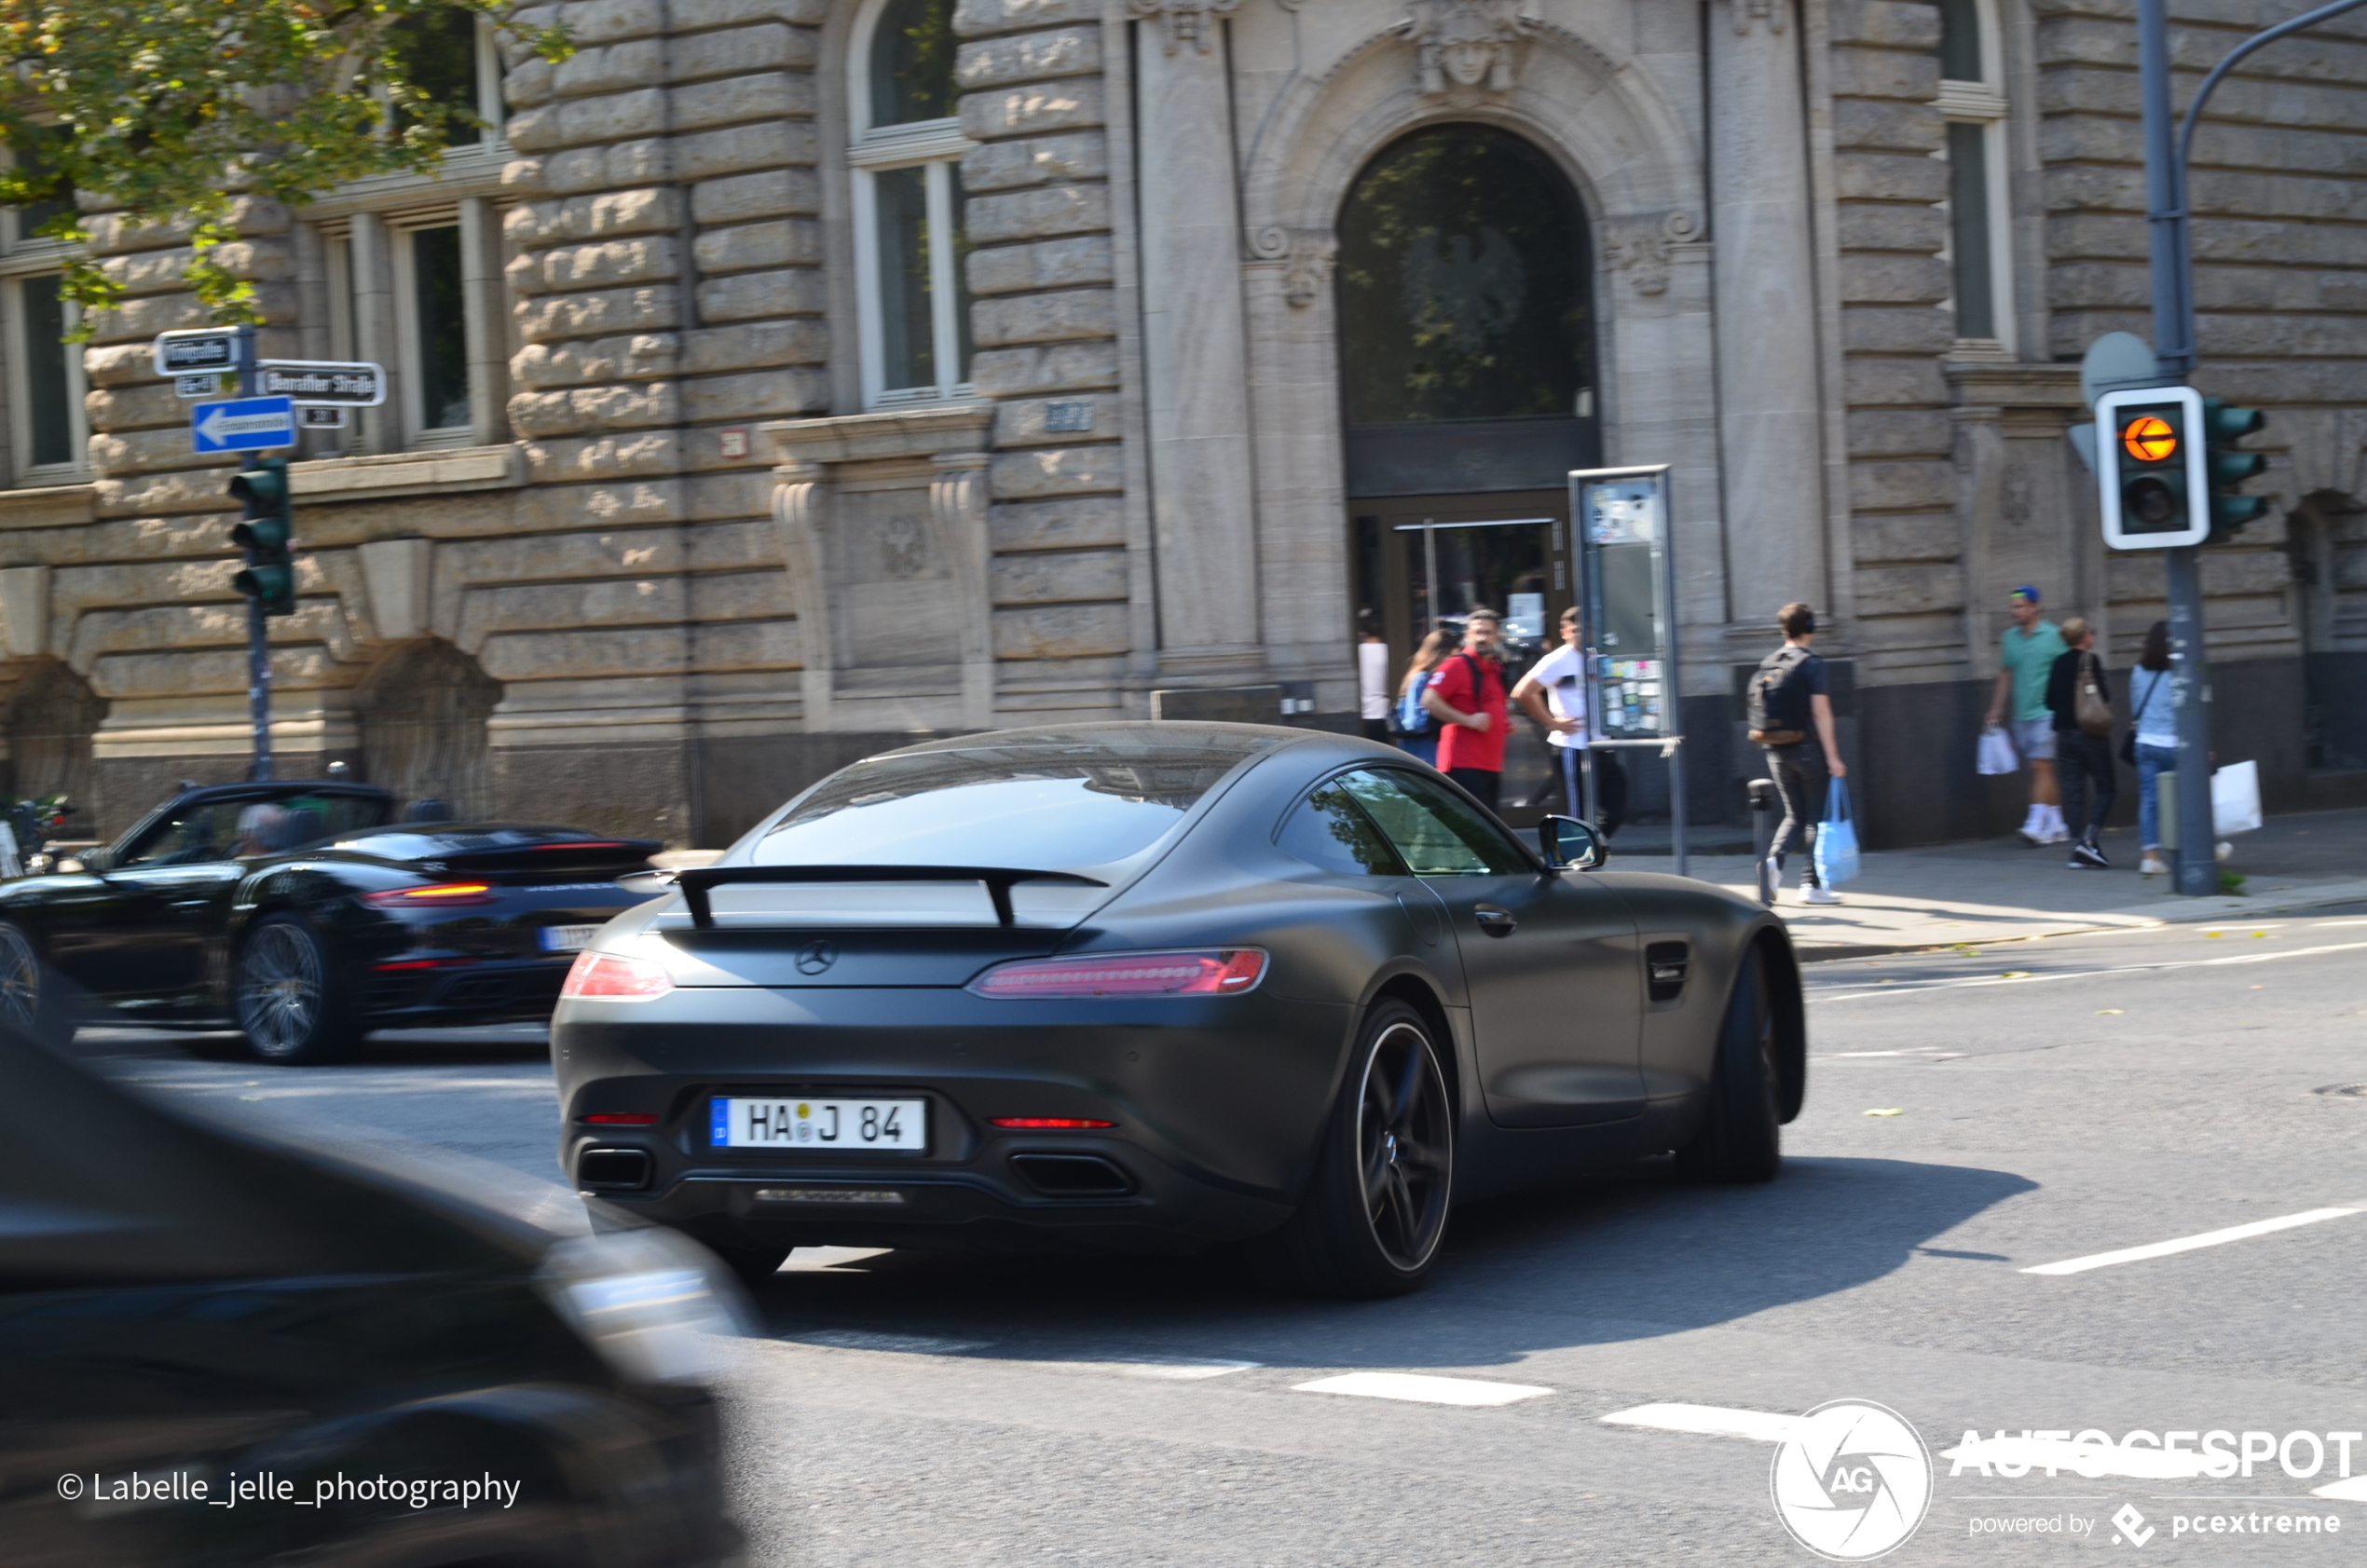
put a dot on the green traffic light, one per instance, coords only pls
(264, 487)
(262, 532)
(2224, 425)
(272, 584)
(2225, 421)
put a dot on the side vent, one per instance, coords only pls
(1665, 966)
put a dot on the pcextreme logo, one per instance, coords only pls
(1853, 1482)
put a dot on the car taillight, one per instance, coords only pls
(436, 895)
(1214, 972)
(1033, 1123)
(620, 1119)
(615, 978)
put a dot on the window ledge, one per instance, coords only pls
(391, 474)
(46, 506)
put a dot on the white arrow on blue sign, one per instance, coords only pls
(242, 425)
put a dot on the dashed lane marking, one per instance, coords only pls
(1422, 1389)
(1709, 1421)
(2189, 1244)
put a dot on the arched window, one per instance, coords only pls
(906, 147)
(51, 718)
(423, 713)
(1972, 94)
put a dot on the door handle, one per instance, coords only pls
(1494, 921)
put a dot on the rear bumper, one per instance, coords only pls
(1218, 1105)
(466, 992)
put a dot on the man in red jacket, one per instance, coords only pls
(1466, 696)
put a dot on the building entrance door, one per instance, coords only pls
(1423, 562)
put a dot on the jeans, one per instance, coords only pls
(1485, 784)
(1610, 788)
(1798, 772)
(2151, 763)
(2080, 759)
(1423, 746)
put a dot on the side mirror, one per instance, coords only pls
(1569, 844)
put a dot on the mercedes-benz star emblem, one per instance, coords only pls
(816, 957)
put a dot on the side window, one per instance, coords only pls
(1438, 833)
(200, 835)
(1326, 830)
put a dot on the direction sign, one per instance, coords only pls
(344, 384)
(195, 348)
(242, 425)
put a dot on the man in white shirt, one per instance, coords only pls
(1554, 693)
(1372, 678)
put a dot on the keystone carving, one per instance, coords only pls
(1184, 22)
(1639, 246)
(1464, 44)
(1306, 255)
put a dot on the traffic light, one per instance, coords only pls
(2151, 474)
(267, 536)
(2224, 425)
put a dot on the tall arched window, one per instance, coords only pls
(423, 713)
(906, 147)
(1972, 94)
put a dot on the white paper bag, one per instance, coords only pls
(1997, 751)
(2235, 798)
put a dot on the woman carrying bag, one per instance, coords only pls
(1416, 732)
(2153, 740)
(2080, 696)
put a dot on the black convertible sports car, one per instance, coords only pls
(1152, 985)
(304, 915)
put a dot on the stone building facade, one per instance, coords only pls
(779, 379)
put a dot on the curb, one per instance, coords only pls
(2228, 909)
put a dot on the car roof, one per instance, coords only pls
(270, 790)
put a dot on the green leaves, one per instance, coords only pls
(168, 113)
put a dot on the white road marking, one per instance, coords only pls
(2322, 925)
(1421, 1389)
(1177, 1369)
(2188, 1244)
(903, 1345)
(2091, 974)
(1709, 1420)
(2351, 1491)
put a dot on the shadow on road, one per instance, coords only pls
(422, 1047)
(1630, 1254)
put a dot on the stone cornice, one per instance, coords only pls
(2013, 384)
(46, 506)
(896, 433)
(408, 473)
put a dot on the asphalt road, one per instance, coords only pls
(1971, 1116)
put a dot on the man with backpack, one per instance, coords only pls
(1787, 696)
(1466, 695)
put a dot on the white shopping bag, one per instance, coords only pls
(1997, 751)
(2235, 798)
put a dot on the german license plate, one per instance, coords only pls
(859, 1126)
(568, 938)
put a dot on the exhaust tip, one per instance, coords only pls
(1073, 1175)
(613, 1171)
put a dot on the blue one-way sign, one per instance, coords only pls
(242, 425)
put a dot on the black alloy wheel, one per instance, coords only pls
(286, 997)
(1375, 1212)
(26, 1003)
(1741, 1137)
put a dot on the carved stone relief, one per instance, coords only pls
(1184, 22)
(1307, 254)
(1639, 246)
(1463, 48)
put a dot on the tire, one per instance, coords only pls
(284, 991)
(754, 1264)
(1741, 1137)
(1374, 1217)
(29, 994)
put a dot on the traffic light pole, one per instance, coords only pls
(258, 625)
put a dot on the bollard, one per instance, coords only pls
(1763, 798)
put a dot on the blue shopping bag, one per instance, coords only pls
(1836, 837)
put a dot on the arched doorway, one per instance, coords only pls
(1466, 312)
(51, 718)
(423, 713)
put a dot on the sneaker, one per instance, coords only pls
(2088, 855)
(1770, 878)
(2030, 833)
(2226, 851)
(2056, 836)
(2152, 866)
(1815, 895)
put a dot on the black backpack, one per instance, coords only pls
(1776, 706)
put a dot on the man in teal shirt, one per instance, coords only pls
(2030, 646)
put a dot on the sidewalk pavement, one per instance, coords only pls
(2005, 890)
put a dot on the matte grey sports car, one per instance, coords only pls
(1150, 985)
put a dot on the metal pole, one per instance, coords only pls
(258, 627)
(2196, 862)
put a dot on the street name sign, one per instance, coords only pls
(242, 425)
(321, 417)
(197, 386)
(196, 348)
(339, 383)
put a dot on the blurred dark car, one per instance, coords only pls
(303, 914)
(215, 1352)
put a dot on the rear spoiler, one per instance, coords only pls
(695, 881)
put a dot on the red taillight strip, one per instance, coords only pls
(436, 894)
(1201, 972)
(1033, 1123)
(620, 1119)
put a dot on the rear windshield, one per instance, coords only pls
(1034, 805)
